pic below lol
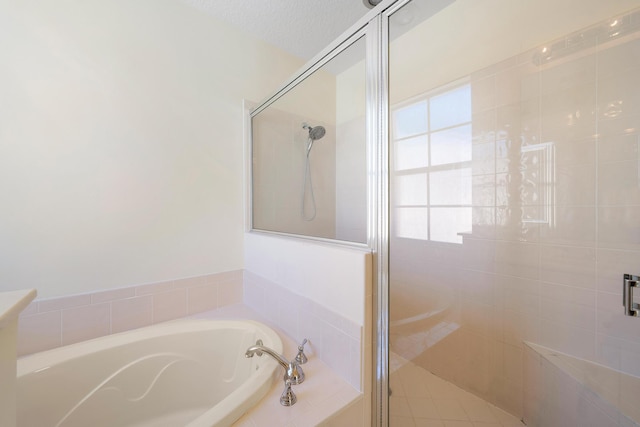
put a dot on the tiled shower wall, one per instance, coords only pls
(555, 199)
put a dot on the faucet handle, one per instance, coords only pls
(301, 358)
(258, 352)
(288, 397)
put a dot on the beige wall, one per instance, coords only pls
(121, 142)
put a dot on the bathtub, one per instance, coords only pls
(182, 373)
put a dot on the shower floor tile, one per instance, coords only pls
(421, 399)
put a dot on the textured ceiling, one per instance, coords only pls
(300, 27)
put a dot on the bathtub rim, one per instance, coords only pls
(81, 348)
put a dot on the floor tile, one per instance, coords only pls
(421, 399)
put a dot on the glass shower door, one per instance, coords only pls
(513, 176)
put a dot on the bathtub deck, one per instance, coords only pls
(322, 395)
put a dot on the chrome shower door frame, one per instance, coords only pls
(374, 27)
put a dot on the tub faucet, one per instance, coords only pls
(292, 371)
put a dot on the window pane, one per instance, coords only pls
(412, 153)
(411, 189)
(451, 146)
(446, 223)
(451, 187)
(410, 120)
(412, 223)
(451, 108)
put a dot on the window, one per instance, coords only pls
(431, 164)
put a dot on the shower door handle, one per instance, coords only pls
(630, 308)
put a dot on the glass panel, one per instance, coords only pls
(448, 224)
(450, 187)
(412, 223)
(411, 153)
(539, 119)
(451, 146)
(451, 108)
(411, 189)
(411, 120)
(309, 159)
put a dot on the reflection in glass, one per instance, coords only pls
(411, 153)
(411, 189)
(412, 223)
(528, 143)
(450, 187)
(450, 108)
(452, 145)
(446, 224)
(432, 168)
(410, 120)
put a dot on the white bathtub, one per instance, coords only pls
(183, 373)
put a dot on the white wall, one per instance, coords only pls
(333, 276)
(121, 142)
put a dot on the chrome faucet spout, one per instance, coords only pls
(293, 372)
(259, 349)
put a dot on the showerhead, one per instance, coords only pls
(316, 132)
(371, 3)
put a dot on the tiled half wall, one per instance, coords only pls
(54, 322)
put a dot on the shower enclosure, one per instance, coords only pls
(498, 184)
